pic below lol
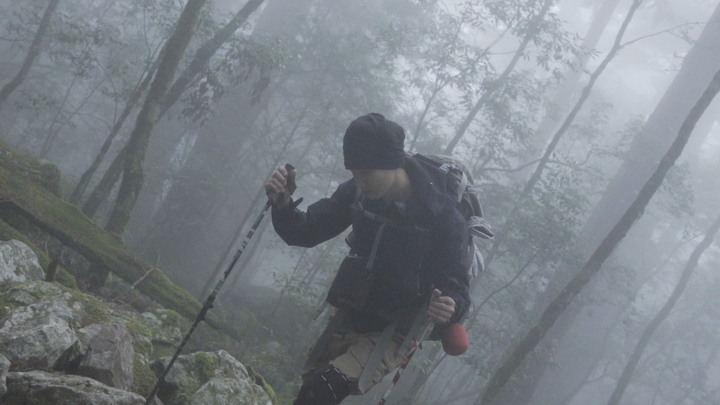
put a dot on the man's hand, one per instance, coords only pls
(441, 308)
(281, 185)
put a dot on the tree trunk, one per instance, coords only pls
(577, 332)
(576, 109)
(498, 83)
(698, 67)
(647, 334)
(550, 149)
(503, 373)
(103, 189)
(206, 51)
(32, 54)
(133, 171)
(566, 91)
(130, 104)
(202, 56)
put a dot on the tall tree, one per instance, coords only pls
(650, 329)
(33, 52)
(130, 105)
(531, 33)
(569, 119)
(562, 99)
(133, 177)
(578, 333)
(199, 62)
(502, 374)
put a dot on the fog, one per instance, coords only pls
(564, 111)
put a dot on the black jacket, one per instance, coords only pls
(427, 231)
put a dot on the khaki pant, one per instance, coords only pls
(349, 351)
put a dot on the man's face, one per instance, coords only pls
(374, 183)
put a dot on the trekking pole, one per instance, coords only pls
(211, 299)
(406, 360)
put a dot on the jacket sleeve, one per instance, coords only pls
(323, 220)
(448, 262)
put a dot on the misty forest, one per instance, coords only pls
(136, 137)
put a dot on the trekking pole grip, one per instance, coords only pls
(290, 185)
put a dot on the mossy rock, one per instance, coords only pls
(66, 223)
(62, 276)
(260, 380)
(143, 377)
(44, 174)
(95, 309)
(202, 372)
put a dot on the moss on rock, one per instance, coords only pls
(95, 310)
(66, 223)
(42, 173)
(260, 380)
(143, 377)
(62, 276)
(142, 337)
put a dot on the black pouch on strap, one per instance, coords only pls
(354, 280)
(351, 287)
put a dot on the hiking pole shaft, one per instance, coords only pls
(209, 302)
(404, 363)
(211, 299)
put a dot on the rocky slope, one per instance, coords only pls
(60, 346)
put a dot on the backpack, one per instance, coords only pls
(460, 185)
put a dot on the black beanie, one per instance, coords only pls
(373, 142)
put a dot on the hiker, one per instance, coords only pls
(406, 265)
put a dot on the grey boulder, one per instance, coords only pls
(18, 263)
(40, 387)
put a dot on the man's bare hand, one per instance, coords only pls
(281, 185)
(441, 308)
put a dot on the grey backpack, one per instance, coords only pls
(460, 185)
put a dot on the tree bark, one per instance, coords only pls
(133, 171)
(32, 54)
(503, 373)
(647, 334)
(130, 104)
(103, 189)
